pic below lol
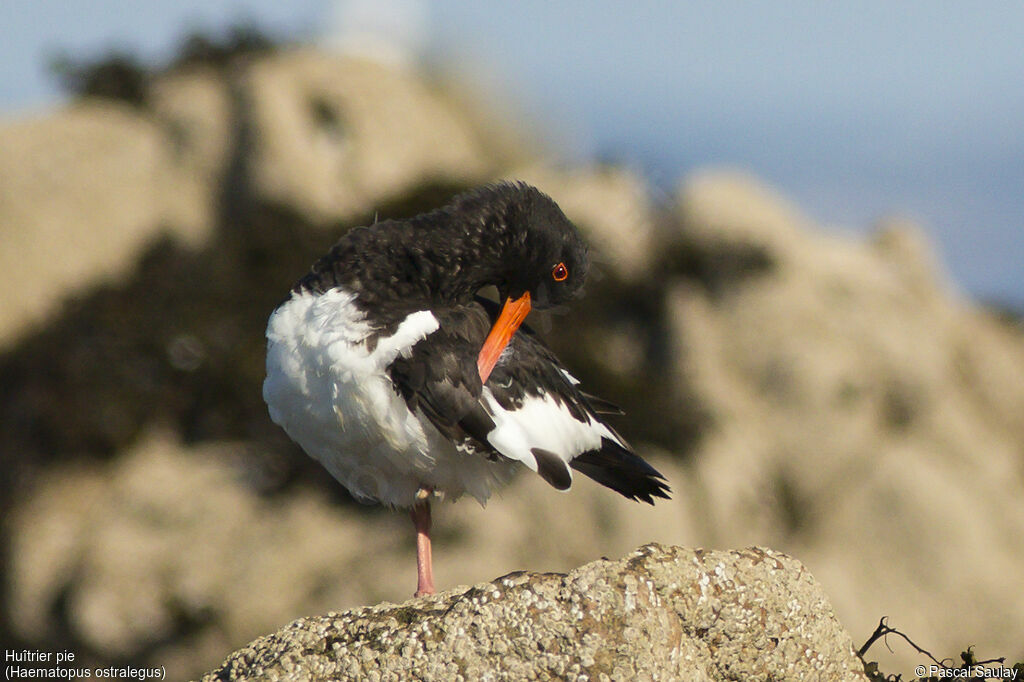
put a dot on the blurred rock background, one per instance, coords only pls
(829, 396)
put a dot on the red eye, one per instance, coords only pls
(560, 273)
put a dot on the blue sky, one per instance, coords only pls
(854, 110)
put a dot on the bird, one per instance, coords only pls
(388, 364)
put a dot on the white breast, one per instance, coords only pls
(333, 397)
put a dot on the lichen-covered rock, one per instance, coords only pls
(659, 613)
(82, 191)
(826, 395)
(155, 557)
(874, 416)
(85, 188)
(331, 135)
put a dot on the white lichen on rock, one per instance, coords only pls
(692, 614)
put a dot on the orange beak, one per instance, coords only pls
(512, 315)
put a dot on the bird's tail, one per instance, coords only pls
(623, 471)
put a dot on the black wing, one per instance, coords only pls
(440, 378)
(537, 371)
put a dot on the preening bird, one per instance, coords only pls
(387, 366)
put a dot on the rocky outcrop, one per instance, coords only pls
(84, 189)
(167, 550)
(332, 136)
(874, 414)
(827, 395)
(659, 613)
(82, 192)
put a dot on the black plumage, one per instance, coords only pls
(440, 376)
(388, 331)
(506, 235)
(485, 237)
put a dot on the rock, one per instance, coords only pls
(197, 115)
(168, 545)
(804, 389)
(874, 417)
(156, 557)
(85, 189)
(331, 135)
(729, 210)
(82, 191)
(905, 243)
(659, 613)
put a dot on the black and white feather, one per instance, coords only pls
(372, 360)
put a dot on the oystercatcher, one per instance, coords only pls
(386, 365)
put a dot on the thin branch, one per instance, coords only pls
(873, 638)
(884, 630)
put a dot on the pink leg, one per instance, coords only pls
(424, 563)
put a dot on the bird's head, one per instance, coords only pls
(540, 262)
(546, 256)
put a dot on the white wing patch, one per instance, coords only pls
(542, 423)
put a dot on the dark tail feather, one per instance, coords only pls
(622, 471)
(600, 405)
